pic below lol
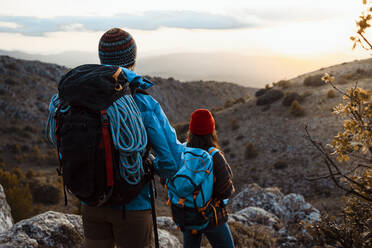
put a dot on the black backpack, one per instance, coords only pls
(89, 163)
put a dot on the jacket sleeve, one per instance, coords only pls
(223, 187)
(161, 135)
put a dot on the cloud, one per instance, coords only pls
(289, 11)
(10, 25)
(151, 20)
(258, 14)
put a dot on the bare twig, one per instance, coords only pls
(331, 165)
(365, 40)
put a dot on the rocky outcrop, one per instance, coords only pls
(254, 206)
(166, 223)
(291, 208)
(256, 216)
(58, 230)
(6, 220)
(50, 229)
(168, 240)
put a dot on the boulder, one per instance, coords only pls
(255, 196)
(6, 220)
(270, 96)
(291, 208)
(59, 230)
(168, 240)
(50, 229)
(166, 222)
(256, 216)
(296, 209)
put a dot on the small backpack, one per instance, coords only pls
(100, 136)
(190, 190)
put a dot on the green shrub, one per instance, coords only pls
(18, 193)
(290, 97)
(331, 94)
(250, 151)
(353, 229)
(341, 81)
(252, 236)
(30, 174)
(239, 100)
(216, 109)
(2, 163)
(280, 165)
(260, 92)
(29, 129)
(269, 97)
(348, 76)
(234, 124)
(306, 94)
(296, 109)
(11, 66)
(228, 104)
(314, 81)
(37, 154)
(51, 156)
(10, 81)
(225, 143)
(283, 84)
(360, 71)
(14, 148)
(45, 193)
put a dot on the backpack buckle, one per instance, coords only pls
(104, 119)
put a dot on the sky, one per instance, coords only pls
(311, 30)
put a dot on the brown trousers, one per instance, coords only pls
(104, 227)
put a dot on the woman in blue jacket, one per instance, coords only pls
(104, 226)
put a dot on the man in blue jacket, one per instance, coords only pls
(104, 226)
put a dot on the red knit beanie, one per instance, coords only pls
(202, 122)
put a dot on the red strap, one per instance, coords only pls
(107, 145)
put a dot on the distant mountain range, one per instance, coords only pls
(253, 71)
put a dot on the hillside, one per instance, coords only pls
(284, 157)
(26, 88)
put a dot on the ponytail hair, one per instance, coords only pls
(202, 141)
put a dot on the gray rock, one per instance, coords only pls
(6, 220)
(253, 215)
(167, 240)
(296, 209)
(2, 68)
(255, 196)
(166, 223)
(58, 230)
(50, 229)
(291, 208)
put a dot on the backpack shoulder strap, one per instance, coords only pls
(141, 91)
(212, 151)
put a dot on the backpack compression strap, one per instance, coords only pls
(107, 145)
(212, 151)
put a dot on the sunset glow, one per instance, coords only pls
(307, 30)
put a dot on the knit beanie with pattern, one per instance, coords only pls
(117, 47)
(202, 122)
